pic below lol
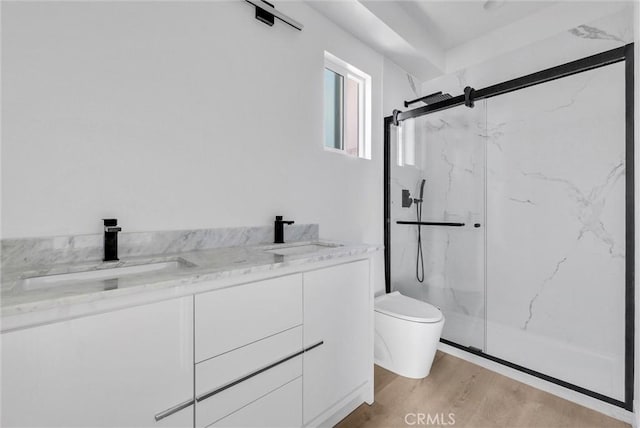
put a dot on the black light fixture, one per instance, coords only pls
(264, 16)
(267, 13)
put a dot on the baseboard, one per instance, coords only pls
(342, 408)
(557, 390)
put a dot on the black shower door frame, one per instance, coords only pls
(623, 53)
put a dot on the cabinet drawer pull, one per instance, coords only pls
(233, 383)
(170, 411)
(315, 345)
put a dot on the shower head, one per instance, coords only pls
(436, 98)
(419, 200)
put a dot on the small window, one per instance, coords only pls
(347, 110)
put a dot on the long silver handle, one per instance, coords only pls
(233, 383)
(170, 411)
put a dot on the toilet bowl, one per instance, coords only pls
(407, 332)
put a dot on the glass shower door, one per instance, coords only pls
(556, 229)
(447, 150)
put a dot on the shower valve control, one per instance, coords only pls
(406, 198)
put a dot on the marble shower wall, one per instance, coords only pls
(556, 228)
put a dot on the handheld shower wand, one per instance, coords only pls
(418, 200)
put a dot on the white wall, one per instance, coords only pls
(177, 116)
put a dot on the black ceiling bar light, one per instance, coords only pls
(267, 13)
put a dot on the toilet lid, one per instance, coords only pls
(407, 308)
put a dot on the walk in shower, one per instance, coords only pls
(527, 221)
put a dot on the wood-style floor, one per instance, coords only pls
(476, 398)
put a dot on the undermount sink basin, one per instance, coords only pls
(301, 249)
(109, 273)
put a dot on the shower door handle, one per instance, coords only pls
(431, 223)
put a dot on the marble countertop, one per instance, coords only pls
(194, 268)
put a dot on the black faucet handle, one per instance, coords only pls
(110, 221)
(279, 229)
(280, 220)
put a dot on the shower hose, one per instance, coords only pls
(419, 256)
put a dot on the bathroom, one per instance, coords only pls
(149, 149)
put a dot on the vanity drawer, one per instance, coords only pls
(233, 317)
(281, 408)
(230, 381)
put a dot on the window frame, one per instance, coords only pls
(349, 72)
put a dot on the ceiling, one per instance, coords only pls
(430, 37)
(452, 23)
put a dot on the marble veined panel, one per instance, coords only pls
(556, 228)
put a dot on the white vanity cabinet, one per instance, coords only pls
(285, 352)
(288, 351)
(338, 311)
(115, 369)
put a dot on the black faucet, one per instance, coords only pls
(279, 229)
(111, 230)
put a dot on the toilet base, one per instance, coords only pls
(404, 347)
(407, 375)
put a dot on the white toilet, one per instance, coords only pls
(407, 332)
